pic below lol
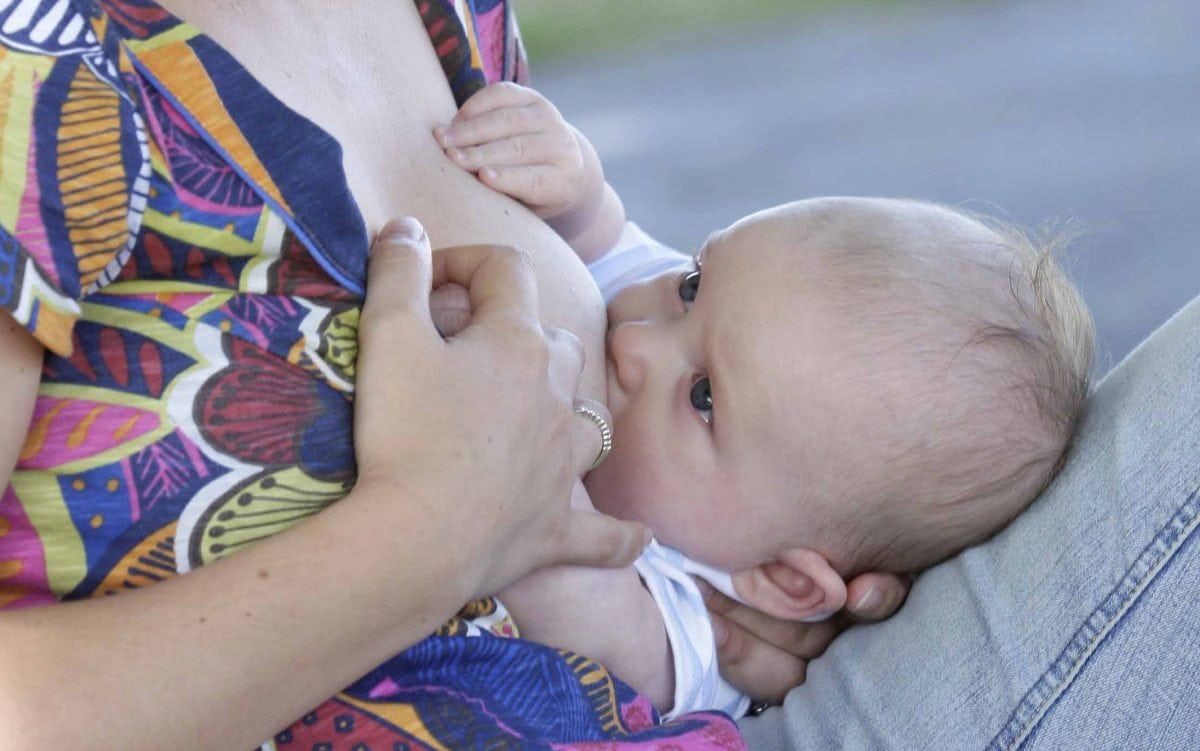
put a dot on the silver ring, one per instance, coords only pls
(606, 433)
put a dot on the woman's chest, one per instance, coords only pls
(207, 404)
(369, 76)
(366, 74)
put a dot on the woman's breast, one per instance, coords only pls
(370, 77)
(457, 209)
(415, 178)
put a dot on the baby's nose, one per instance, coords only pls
(629, 347)
(656, 298)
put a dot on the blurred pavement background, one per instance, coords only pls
(1036, 110)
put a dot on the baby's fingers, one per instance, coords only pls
(757, 668)
(536, 186)
(495, 125)
(516, 151)
(497, 95)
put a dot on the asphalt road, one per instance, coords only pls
(1087, 111)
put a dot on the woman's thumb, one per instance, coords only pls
(400, 271)
(596, 539)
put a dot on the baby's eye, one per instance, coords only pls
(689, 286)
(701, 398)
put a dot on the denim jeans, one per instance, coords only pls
(1076, 628)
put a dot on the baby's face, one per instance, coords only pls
(726, 383)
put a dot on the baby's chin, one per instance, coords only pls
(612, 490)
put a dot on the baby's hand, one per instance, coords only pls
(519, 145)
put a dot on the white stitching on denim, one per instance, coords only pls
(1055, 681)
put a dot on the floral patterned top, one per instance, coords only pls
(198, 299)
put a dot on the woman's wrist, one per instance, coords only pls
(426, 531)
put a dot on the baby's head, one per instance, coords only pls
(858, 384)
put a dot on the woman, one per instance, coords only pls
(199, 405)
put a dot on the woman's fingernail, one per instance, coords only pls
(647, 537)
(816, 617)
(403, 230)
(720, 633)
(443, 136)
(457, 155)
(870, 600)
(489, 173)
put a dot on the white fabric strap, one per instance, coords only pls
(722, 581)
(698, 682)
(636, 256)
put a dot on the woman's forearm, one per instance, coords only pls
(447, 509)
(228, 655)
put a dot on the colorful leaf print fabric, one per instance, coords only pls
(199, 302)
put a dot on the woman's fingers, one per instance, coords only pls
(595, 539)
(803, 640)
(500, 282)
(593, 423)
(765, 657)
(566, 361)
(755, 667)
(566, 371)
(450, 308)
(874, 596)
(400, 272)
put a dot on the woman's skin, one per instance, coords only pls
(222, 670)
(226, 674)
(377, 54)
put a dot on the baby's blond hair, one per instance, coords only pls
(1001, 331)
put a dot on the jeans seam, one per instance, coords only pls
(1058, 678)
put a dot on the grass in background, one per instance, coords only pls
(559, 28)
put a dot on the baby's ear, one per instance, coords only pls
(799, 585)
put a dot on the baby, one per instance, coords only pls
(830, 387)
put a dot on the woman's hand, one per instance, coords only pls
(467, 451)
(766, 657)
(480, 426)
